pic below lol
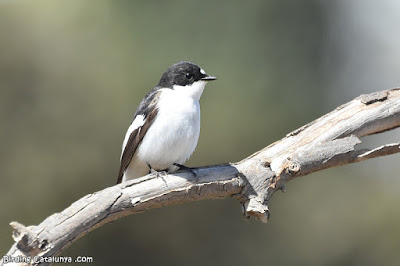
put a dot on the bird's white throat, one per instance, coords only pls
(193, 90)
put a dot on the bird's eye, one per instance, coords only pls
(188, 75)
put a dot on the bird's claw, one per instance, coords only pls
(189, 169)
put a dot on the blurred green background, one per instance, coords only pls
(73, 72)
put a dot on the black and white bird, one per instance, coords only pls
(166, 126)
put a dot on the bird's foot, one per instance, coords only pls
(189, 169)
(158, 174)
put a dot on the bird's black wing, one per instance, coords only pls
(148, 110)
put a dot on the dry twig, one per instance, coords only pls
(326, 142)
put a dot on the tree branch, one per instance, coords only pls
(326, 142)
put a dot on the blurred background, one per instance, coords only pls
(73, 72)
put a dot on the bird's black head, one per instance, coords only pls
(182, 74)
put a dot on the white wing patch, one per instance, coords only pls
(138, 122)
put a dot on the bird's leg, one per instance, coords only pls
(159, 174)
(189, 169)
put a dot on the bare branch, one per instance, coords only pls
(326, 142)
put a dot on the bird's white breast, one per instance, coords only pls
(174, 133)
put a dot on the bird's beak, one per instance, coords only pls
(208, 78)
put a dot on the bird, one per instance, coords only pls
(166, 124)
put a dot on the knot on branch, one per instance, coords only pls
(27, 240)
(260, 184)
(257, 208)
(292, 167)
